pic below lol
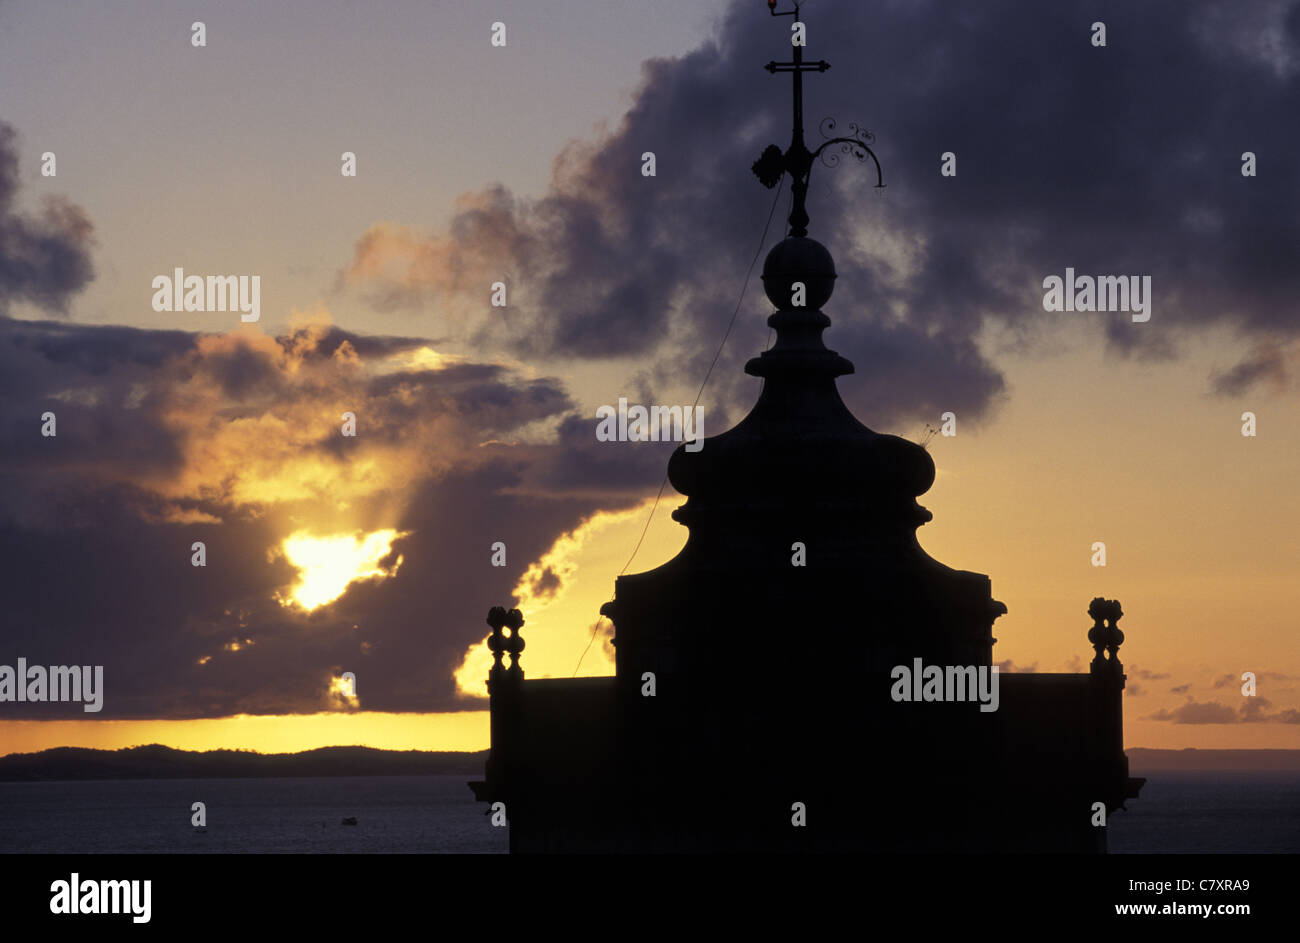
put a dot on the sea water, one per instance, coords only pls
(1190, 812)
(396, 814)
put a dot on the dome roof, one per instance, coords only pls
(800, 453)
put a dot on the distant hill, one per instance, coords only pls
(1142, 761)
(159, 762)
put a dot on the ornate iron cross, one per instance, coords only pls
(797, 160)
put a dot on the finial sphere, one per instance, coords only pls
(799, 259)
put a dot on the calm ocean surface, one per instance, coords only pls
(1211, 813)
(1178, 812)
(413, 814)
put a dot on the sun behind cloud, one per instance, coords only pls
(327, 566)
(343, 691)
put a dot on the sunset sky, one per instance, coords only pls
(522, 164)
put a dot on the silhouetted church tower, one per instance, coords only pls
(775, 645)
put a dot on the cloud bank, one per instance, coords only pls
(1124, 159)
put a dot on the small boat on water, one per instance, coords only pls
(350, 820)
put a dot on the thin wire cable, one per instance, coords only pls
(788, 227)
(732, 323)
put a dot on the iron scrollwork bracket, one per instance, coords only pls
(857, 146)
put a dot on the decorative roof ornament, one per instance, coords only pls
(499, 643)
(797, 160)
(1105, 635)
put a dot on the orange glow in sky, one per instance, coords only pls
(292, 733)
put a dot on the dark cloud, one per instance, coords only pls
(1261, 677)
(1145, 674)
(92, 380)
(166, 438)
(45, 259)
(1193, 712)
(1255, 710)
(1119, 160)
(1252, 710)
(546, 584)
(1266, 362)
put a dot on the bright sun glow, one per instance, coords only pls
(343, 690)
(328, 565)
